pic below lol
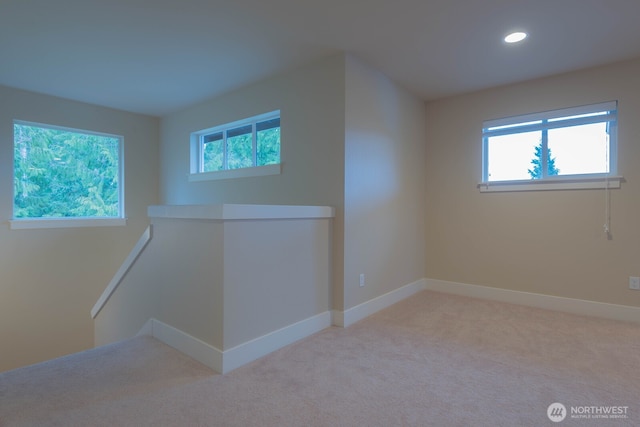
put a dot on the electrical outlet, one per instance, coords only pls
(361, 279)
(634, 283)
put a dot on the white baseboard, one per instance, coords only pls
(189, 345)
(568, 305)
(359, 312)
(147, 328)
(226, 361)
(261, 346)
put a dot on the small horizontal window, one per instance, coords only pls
(250, 143)
(568, 145)
(63, 174)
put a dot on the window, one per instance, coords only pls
(248, 147)
(64, 177)
(568, 148)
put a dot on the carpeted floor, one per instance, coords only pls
(431, 360)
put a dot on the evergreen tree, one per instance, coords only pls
(536, 172)
(239, 147)
(61, 173)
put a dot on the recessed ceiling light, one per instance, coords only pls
(515, 37)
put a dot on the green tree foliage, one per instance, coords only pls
(536, 172)
(59, 173)
(269, 146)
(240, 147)
(213, 152)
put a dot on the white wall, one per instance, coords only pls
(547, 242)
(50, 279)
(276, 274)
(373, 167)
(384, 182)
(178, 279)
(311, 102)
(224, 282)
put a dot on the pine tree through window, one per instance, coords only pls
(66, 173)
(577, 143)
(249, 147)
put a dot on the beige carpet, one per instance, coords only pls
(431, 360)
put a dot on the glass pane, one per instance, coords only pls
(512, 157)
(213, 152)
(239, 148)
(580, 149)
(268, 144)
(64, 173)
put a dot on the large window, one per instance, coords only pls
(66, 174)
(575, 145)
(251, 147)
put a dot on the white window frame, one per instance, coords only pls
(503, 126)
(197, 172)
(74, 222)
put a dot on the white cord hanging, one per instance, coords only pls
(607, 201)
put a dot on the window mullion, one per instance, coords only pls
(544, 157)
(546, 124)
(577, 135)
(231, 142)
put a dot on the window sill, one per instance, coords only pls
(586, 183)
(34, 223)
(237, 173)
